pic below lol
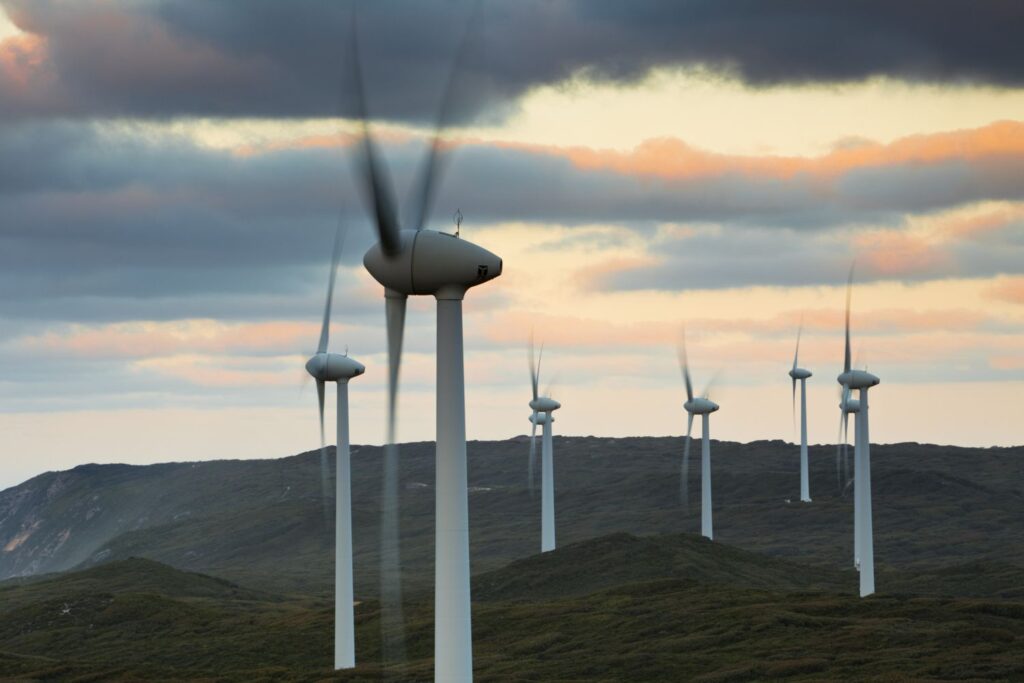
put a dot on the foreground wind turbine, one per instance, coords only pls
(860, 381)
(543, 414)
(333, 367)
(702, 406)
(425, 262)
(798, 373)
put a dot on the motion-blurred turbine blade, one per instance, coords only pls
(370, 169)
(535, 367)
(685, 367)
(533, 452)
(325, 329)
(428, 178)
(324, 483)
(684, 483)
(849, 295)
(392, 620)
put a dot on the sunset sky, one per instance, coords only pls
(171, 175)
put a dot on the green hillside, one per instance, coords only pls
(594, 611)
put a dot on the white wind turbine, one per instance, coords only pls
(702, 406)
(334, 367)
(801, 375)
(860, 381)
(424, 262)
(543, 414)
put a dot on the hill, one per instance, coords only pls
(704, 621)
(261, 523)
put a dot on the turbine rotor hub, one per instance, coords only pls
(433, 263)
(333, 367)
(700, 406)
(543, 404)
(858, 379)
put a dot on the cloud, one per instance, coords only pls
(1008, 289)
(123, 222)
(196, 58)
(976, 240)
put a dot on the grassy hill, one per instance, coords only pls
(261, 523)
(617, 608)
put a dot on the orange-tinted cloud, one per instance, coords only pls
(1008, 289)
(670, 158)
(138, 340)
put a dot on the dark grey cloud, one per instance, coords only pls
(124, 223)
(266, 58)
(743, 256)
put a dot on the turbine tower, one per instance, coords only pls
(334, 367)
(702, 406)
(421, 262)
(543, 414)
(801, 375)
(860, 381)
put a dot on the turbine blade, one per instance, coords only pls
(839, 451)
(324, 484)
(392, 620)
(684, 483)
(684, 365)
(849, 295)
(325, 329)
(427, 182)
(533, 454)
(534, 370)
(794, 403)
(799, 331)
(370, 170)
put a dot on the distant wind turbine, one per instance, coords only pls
(702, 406)
(543, 414)
(861, 381)
(334, 367)
(801, 375)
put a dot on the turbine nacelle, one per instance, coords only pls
(433, 263)
(541, 419)
(544, 404)
(333, 367)
(858, 379)
(799, 373)
(850, 405)
(700, 406)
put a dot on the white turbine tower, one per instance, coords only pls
(333, 367)
(860, 381)
(702, 406)
(543, 414)
(801, 375)
(424, 262)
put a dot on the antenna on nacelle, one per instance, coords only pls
(457, 217)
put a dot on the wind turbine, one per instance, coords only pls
(702, 406)
(543, 414)
(860, 381)
(334, 367)
(801, 375)
(424, 262)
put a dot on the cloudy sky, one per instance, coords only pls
(171, 175)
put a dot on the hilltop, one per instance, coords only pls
(261, 523)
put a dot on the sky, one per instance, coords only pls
(172, 174)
